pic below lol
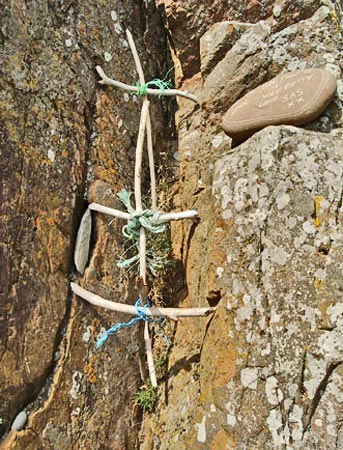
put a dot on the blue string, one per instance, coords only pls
(141, 315)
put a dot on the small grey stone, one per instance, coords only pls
(82, 242)
(19, 422)
(294, 98)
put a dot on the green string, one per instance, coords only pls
(162, 85)
(147, 219)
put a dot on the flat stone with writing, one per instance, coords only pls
(294, 98)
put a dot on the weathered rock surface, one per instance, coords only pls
(64, 141)
(187, 21)
(217, 41)
(265, 372)
(294, 98)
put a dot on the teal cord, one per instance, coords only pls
(162, 85)
(147, 219)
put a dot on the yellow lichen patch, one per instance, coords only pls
(92, 378)
(89, 371)
(318, 283)
(335, 20)
(317, 201)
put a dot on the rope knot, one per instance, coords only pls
(162, 85)
(140, 315)
(149, 219)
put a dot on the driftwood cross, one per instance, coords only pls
(144, 126)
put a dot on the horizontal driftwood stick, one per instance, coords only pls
(172, 313)
(191, 214)
(127, 87)
(110, 211)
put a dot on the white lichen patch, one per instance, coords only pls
(249, 377)
(51, 155)
(274, 422)
(314, 373)
(76, 384)
(277, 11)
(108, 57)
(335, 313)
(273, 393)
(219, 272)
(282, 201)
(331, 343)
(220, 139)
(68, 43)
(201, 427)
(231, 420)
(87, 334)
(118, 28)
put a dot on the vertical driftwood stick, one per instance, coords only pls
(145, 119)
(151, 163)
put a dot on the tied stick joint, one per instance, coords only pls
(150, 221)
(140, 315)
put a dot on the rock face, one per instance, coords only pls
(294, 98)
(66, 141)
(264, 372)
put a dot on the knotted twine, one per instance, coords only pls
(140, 315)
(147, 219)
(162, 85)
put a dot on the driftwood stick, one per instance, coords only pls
(149, 357)
(171, 313)
(110, 211)
(139, 156)
(151, 164)
(148, 122)
(167, 92)
(190, 214)
(135, 57)
(145, 118)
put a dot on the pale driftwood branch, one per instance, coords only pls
(139, 155)
(167, 92)
(148, 122)
(138, 168)
(149, 357)
(110, 211)
(153, 311)
(151, 164)
(191, 214)
(135, 57)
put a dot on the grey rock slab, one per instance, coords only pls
(279, 213)
(293, 98)
(218, 40)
